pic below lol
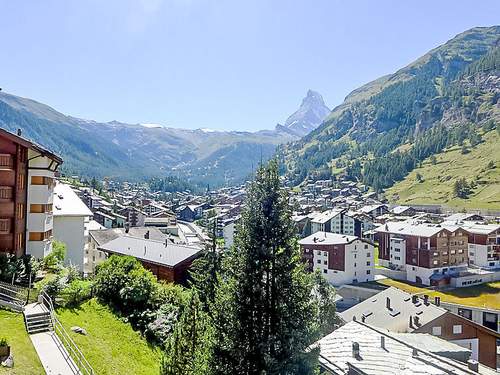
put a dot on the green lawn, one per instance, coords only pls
(111, 346)
(26, 360)
(438, 179)
(484, 295)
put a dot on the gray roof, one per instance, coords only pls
(150, 250)
(397, 358)
(397, 319)
(103, 236)
(328, 238)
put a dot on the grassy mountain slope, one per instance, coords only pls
(384, 129)
(436, 186)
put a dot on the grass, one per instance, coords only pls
(485, 295)
(25, 358)
(111, 346)
(438, 179)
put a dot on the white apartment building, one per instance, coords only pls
(340, 258)
(40, 183)
(70, 218)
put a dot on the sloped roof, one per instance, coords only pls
(396, 319)
(398, 357)
(152, 251)
(67, 203)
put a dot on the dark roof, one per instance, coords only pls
(163, 253)
(30, 144)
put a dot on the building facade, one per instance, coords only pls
(340, 258)
(427, 252)
(27, 182)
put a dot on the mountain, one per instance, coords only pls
(139, 151)
(386, 128)
(308, 117)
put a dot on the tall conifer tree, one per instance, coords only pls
(266, 316)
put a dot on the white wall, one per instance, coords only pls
(398, 252)
(356, 258)
(71, 231)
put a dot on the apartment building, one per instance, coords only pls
(400, 312)
(341, 221)
(71, 216)
(26, 195)
(484, 244)
(340, 258)
(427, 252)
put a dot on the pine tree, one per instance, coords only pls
(188, 351)
(266, 315)
(205, 271)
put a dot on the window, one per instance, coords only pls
(368, 255)
(325, 253)
(318, 261)
(354, 256)
(399, 258)
(5, 226)
(41, 180)
(325, 262)
(20, 211)
(368, 272)
(21, 182)
(19, 241)
(436, 331)
(40, 236)
(6, 161)
(490, 320)
(5, 192)
(325, 271)
(354, 264)
(435, 262)
(368, 263)
(366, 247)
(457, 329)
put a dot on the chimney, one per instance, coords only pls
(355, 349)
(166, 242)
(426, 299)
(144, 250)
(410, 324)
(127, 227)
(382, 342)
(416, 320)
(414, 298)
(363, 318)
(146, 235)
(19, 132)
(414, 352)
(473, 365)
(437, 301)
(388, 303)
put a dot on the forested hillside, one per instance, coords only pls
(386, 128)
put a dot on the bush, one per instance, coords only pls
(3, 341)
(122, 282)
(76, 292)
(55, 260)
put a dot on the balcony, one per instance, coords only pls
(40, 194)
(39, 249)
(40, 222)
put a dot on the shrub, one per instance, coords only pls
(3, 341)
(122, 282)
(76, 292)
(55, 260)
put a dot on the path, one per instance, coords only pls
(55, 359)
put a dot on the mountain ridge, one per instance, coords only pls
(138, 151)
(378, 117)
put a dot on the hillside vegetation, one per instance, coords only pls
(387, 128)
(435, 184)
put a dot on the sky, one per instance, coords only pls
(220, 64)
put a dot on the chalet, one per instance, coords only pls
(401, 312)
(27, 172)
(359, 348)
(341, 259)
(167, 261)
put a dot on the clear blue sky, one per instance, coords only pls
(222, 64)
